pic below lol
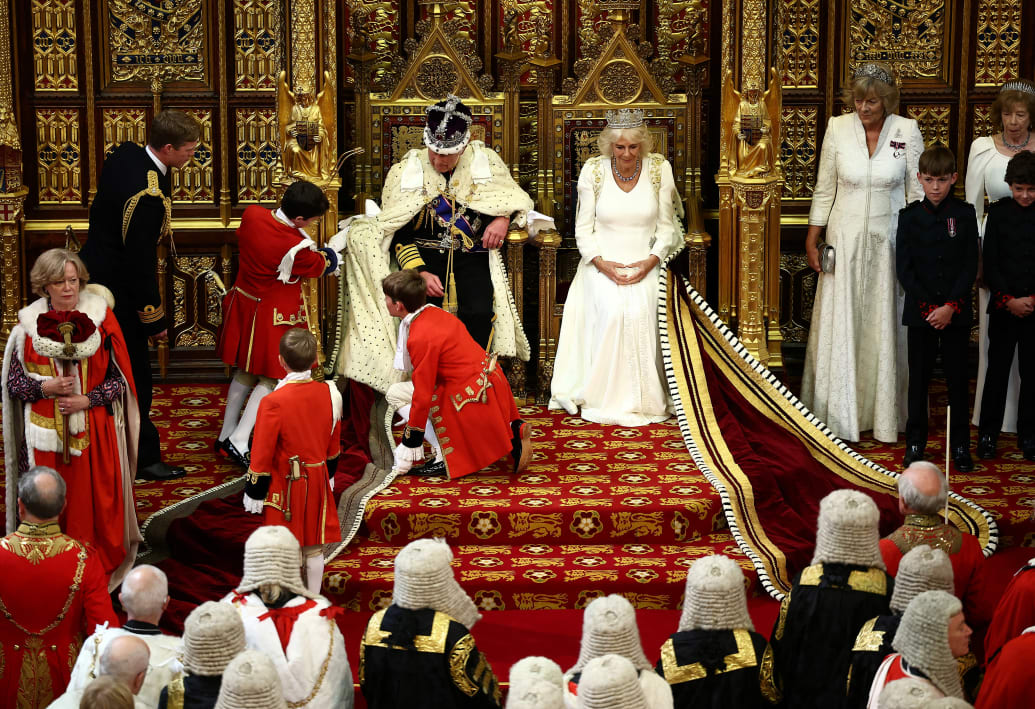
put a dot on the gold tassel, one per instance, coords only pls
(449, 303)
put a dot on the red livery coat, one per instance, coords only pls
(1015, 611)
(1009, 682)
(300, 418)
(462, 389)
(53, 593)
(259, 309)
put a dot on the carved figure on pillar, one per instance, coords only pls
(753, 131)
(304, 120)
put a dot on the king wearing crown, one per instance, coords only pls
(445, 211)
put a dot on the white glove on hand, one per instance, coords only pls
(331, 481)
(405, 457)
(252, 505)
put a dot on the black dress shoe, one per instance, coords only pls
(961, 458)
(914, 452)
(160, 471)
(1028, 448)
(242, 459)
(429, 470)
(986, 446)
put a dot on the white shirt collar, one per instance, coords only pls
(161, 165)
(282, 218)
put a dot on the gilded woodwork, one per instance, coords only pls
(59, 155)
(798, 151)
(911, 36)
(304, 117)
(934, 122)
(303, 44)
(196, 311)
(257, 153)
(682, 28)
(156, 43)
(54, 45)
(983, 120)
(998, 32)
(525, 21)
(382, 25)
(121, 124)
(257, 44)
(194, 182)
(801, 44)
(797, 295)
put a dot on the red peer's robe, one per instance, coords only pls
(259, 309)
(1009, 682)
(53, 593)
(1015, 611)
(300, 418)
(463, 391)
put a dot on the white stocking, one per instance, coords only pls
(243, 431)
(431, 437)
(234, 402)
(314, 572)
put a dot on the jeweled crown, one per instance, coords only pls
(1018, 85)
(624, 118)
(874, 71)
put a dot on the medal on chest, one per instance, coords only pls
(950, 223)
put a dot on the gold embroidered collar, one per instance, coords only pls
(30, 529)
(923, 521)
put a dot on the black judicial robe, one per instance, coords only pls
(806, 663)
(713, 668)
(872, 645)
(191, 692)
(423, 660)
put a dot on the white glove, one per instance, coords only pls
(252, 505)
(405, 457)
(331, 481)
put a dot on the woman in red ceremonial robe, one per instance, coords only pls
(456, 385)
(266, 301)
(75, 391)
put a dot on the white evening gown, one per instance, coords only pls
(608, 354)
(986, 172)
(855, 363)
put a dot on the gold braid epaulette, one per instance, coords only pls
(152, 190)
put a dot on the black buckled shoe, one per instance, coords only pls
(242, 459)
(429, 470)
(1028, 448)
(160, 471)
(986, 446)
(961, 458)
(914, 452)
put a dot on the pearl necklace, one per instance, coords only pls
(1016, 148)
(620, 176)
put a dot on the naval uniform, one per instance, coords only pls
(129, 216)
(937, 261)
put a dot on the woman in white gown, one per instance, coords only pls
(608, 355)
(1012, 113)
(855, 363)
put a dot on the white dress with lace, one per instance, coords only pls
(986, 173)
(855, 364)
(608, 353)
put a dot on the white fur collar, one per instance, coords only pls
(93, 306)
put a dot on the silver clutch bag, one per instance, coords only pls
(827, 257)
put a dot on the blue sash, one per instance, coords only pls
(445, 212)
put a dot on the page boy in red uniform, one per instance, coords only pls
(297, 442)
(267, 301)
(456, 387)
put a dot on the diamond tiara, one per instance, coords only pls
(624, 118)
(1018, 85)
(874, 71)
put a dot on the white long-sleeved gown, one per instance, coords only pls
(608, 354)
(855, 364)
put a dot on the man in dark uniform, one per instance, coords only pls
(1009, 271)
(937, 261)
(129, 216)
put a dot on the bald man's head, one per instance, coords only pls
(125, 658)
(145, 593)
(922, 489)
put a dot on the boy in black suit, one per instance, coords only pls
(1009, 272)
(937, 262)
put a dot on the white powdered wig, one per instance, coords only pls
(424, 579)
(530, 670)
(251, 682)
(715, 597)
(213, 634)
(847, 531)
(538, 694)
(923, 639)
(610, 682)
(921, 569)
(609, 626)
(272, 557)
